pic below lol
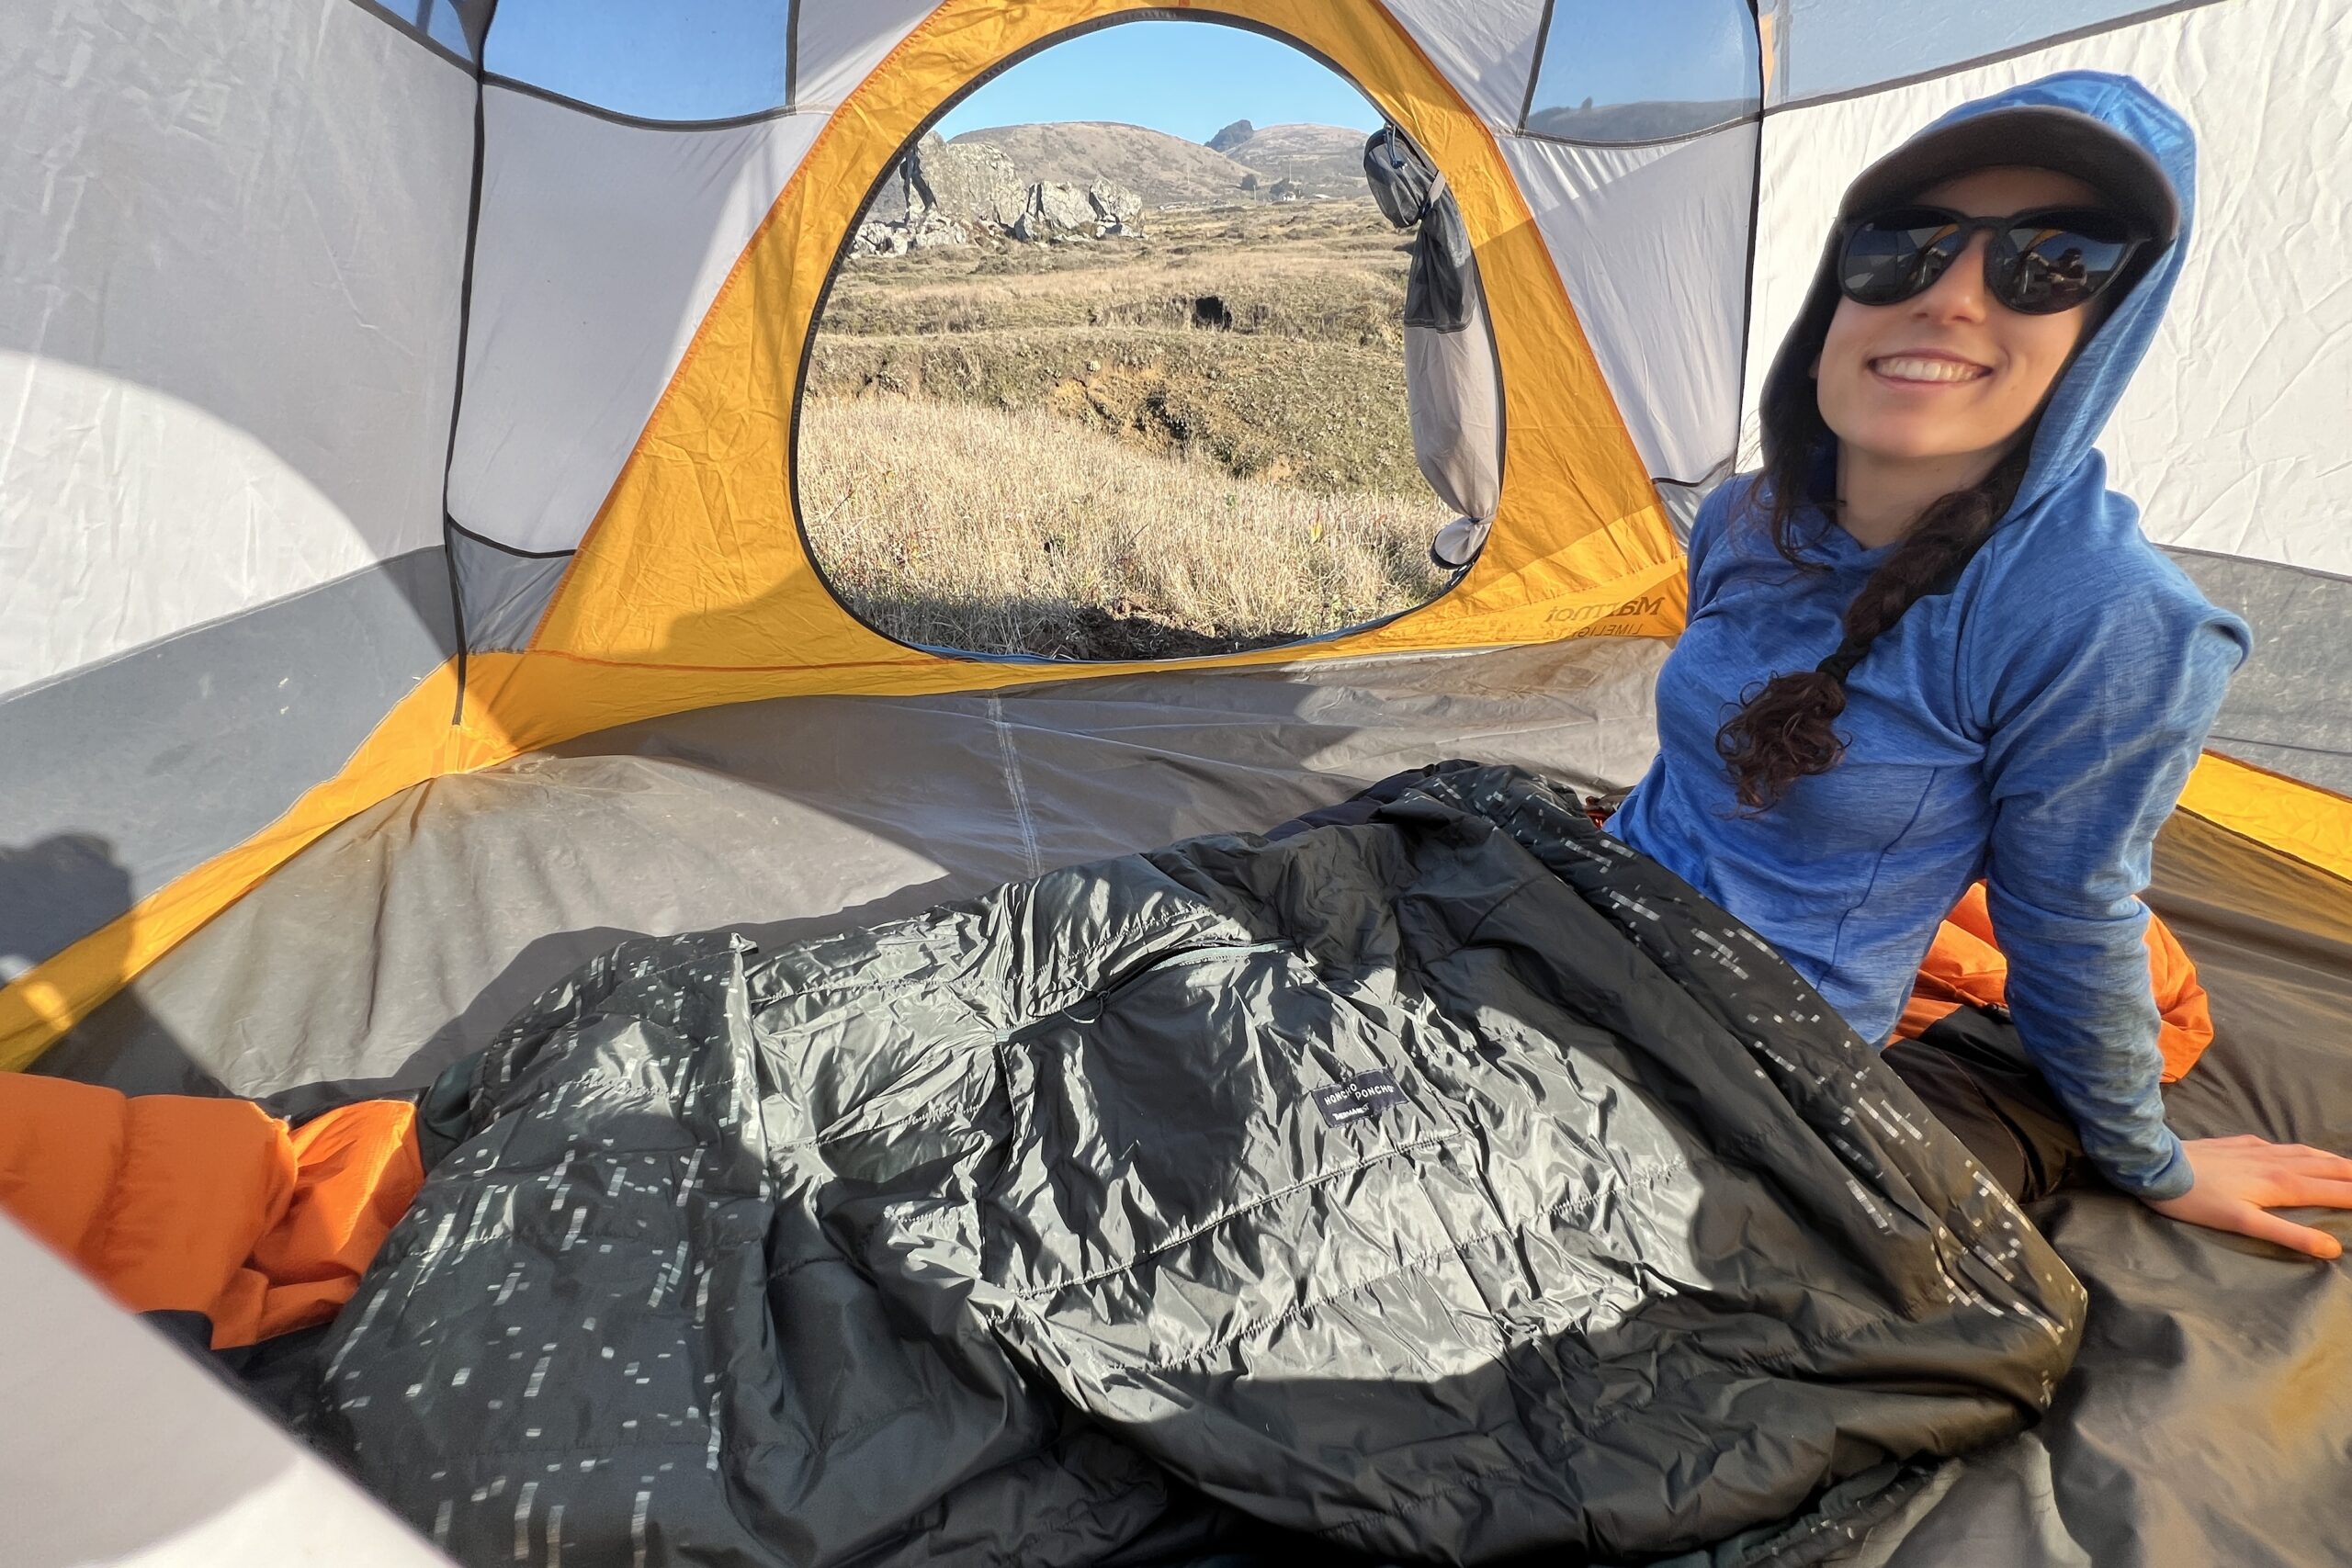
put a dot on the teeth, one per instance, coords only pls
(1903, 367)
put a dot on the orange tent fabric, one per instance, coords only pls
(176, 1204)
(1965, 967)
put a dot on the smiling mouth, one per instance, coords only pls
(1932, 369)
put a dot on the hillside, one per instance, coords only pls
(1166, 169)
(1325, 159)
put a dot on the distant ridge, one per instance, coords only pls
(1166, 169)
(1305, 161)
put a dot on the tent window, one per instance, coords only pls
(441, 21)
(1085, 389)
(684, 59)
(1652, 72)
(1829, 47)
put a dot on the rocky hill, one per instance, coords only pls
(950, 194)
(1167, 170)
(1319, 160)
(1094, 180)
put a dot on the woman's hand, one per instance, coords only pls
(2241, 1179)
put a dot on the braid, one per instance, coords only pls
(1783, 731)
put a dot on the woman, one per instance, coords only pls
(1928, 643)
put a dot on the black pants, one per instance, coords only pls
(1973, 1072)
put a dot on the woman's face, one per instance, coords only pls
(1953, 372)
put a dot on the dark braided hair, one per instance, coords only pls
(1783, 730)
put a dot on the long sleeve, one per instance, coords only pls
(2095, 717)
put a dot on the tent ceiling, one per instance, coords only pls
(1828, 48)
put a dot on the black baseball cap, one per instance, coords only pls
(2038, 136)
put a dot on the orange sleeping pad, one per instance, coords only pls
(175, 1203)
(1964, 967)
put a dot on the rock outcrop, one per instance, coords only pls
(1232, 136)
(969, 181)
(958, 193)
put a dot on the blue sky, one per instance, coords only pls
(1185, 78)
(1618, 51)
(711, 59)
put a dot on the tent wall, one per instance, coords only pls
(2232, 433)
(635, 225)
(119, 1448)
(2290, 708)
(601, 245)
(230, 278)
(231, 265)
(1653, 243)
(709, 479)
(121, 778)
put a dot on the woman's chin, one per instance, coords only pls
(1906, 440)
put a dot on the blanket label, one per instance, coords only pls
(1366, 1094)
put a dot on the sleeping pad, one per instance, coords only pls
(1441, 1183)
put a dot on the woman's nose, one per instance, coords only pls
(1959, 294)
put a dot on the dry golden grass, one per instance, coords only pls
(1183, 444)
(1016, 530)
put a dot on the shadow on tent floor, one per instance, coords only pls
(2209, 1420)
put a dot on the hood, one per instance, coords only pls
(2093, 383)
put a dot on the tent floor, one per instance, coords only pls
(2209, 1420)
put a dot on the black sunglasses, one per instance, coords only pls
(2037, 263)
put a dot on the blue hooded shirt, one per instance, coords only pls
(2032, 726)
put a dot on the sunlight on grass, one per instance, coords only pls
(1018, 531)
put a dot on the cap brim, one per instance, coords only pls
(2033, 136)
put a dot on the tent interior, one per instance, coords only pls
(406, 598)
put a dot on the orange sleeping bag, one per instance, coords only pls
(175, 1203)
(1964, 967)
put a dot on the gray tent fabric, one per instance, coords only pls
(2289, 707)
(404, 938)
(1451, 1184)
(219, 716)
(501, 592)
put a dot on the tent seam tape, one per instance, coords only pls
(458, 391)
(1535, 66)
(1012, 763)
(1755, 217)
(620, 117)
